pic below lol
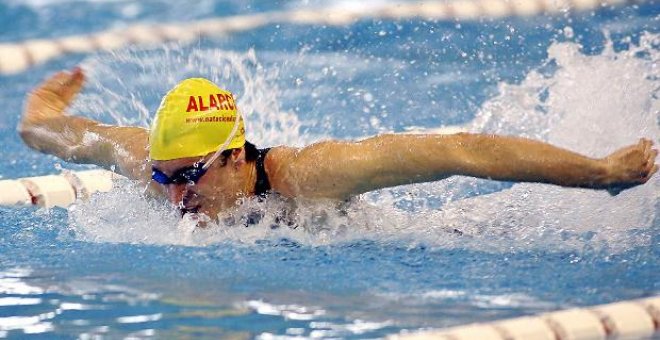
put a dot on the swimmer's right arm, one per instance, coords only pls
(47, 128)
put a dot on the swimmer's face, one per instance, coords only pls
(211, 193)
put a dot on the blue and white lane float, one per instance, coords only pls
(20, 56)
(55, 190)
(634, 319)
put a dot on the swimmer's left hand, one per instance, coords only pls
(631, 166)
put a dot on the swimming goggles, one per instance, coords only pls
(188, 175)
(192, 174)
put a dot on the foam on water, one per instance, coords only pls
(592, 104)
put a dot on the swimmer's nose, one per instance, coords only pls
(175, 193)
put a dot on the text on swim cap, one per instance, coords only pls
(210, 119)
(217, 101)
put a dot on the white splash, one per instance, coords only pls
(594, 105)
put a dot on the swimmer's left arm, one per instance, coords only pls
(339, 170)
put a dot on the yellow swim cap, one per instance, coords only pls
(194, 119)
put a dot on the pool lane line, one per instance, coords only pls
(633, 319)
(18, 57)
(55, 190)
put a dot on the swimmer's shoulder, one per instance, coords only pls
(308, 171)
(277, 165)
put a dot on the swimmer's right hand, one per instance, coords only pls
(52, 97)
(631, 166)
(47, 128)
(44, 125)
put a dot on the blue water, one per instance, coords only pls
(428, 255)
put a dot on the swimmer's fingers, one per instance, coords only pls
(649, 157)
(54, 94)
(631, 166)
(55, 83)
(72, 85)
(649, 152)
(648, 166)
(64, 84)
(647, 146)
(651, 172)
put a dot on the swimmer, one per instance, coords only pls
(196, 155)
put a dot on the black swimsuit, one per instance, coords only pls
(262, 186)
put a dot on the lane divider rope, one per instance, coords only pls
(55, 190)
(18, 57)
(634, 319)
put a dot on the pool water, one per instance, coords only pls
(414, 257)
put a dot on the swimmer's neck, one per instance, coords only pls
(239, 182)
(250, 175)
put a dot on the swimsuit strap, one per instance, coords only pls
(262, 186)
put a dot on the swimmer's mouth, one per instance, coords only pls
(191, 210)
